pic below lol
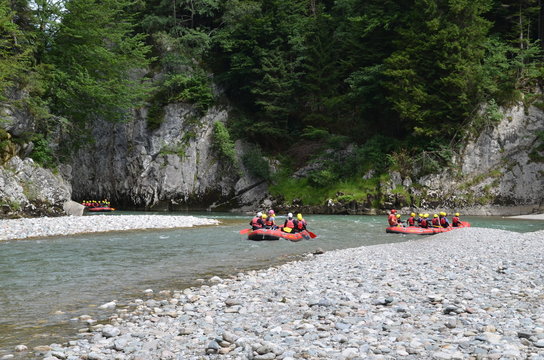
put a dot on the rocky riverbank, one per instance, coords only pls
(71, 225)
(467, 294)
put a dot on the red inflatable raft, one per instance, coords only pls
(269, 234)
(100, 209)
(423, 231)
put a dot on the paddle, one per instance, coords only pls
(245, 231)
(312, 235)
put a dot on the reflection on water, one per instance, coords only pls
(45, 283)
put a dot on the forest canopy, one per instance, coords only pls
(344, 71)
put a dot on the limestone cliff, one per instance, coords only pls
(177, 167)
(174, 167)
(499, 172)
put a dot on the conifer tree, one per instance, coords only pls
(14, 52)
(433, 76)
(95, 53)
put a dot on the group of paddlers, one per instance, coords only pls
(424, 220)
(268, 221)
(95, 203)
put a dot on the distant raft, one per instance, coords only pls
(269, 234)
(423, 231)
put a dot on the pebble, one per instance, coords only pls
(69, 225)
(433, 298)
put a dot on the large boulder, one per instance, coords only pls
(27, 189)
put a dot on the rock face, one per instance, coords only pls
(174, 167)
(500, 172)
(27, 189)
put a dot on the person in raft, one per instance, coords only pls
(455, 221)
(257, 221)
(392, 219)
(435, 222)
(399, 221)
(424, 221)
(289, 223)
(444, 220)
(300, 223)
(411, 220)
(270, 221)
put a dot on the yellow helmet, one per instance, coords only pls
(413, 214)
(398, 216)
(456, 214)
(435, 215)
(264, 216)
(420, 215)
(426, 215)
(299, 216)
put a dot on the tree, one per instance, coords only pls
(433, 75)
(14, 54)
(95, 54)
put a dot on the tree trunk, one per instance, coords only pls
(174, 13)
(313, 7)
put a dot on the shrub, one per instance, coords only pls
(195, 89)
(42, 152)
(256, 164)
(222, 142)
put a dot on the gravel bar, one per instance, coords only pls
(70, 225)
(472, 293)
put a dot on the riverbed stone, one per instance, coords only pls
(352, 304)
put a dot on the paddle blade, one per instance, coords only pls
(312, 235)
(287, 229)
(245, 231)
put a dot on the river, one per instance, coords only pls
(46, 283)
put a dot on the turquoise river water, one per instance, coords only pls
(45, 283)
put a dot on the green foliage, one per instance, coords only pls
(537, 153)
(400, 81)
(353, 189)
(42, 153)
(313, 133)
(14, 55)
(94, 53)
(192, 89)
(256, 164)
(433, 79)
(178, 149)
(223, 144)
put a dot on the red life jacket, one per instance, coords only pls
(301, 224)
(392, 220)
(289, 223)
(269, 222)
(455, 220)
(444, 222)
(435, 222)
(423, 223)
(411, 221)
(255, 222)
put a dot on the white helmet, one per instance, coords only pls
(290, 215)
(259, 214)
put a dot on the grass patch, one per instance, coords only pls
(344, 191)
